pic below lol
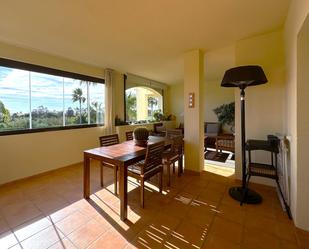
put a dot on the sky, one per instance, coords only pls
(46, 90)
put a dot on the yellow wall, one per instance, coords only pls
(298, 12)
(174, 99)
(194, 116)
(29, 154)
(264, 103)
(214, 95)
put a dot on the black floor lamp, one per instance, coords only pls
(243, 77)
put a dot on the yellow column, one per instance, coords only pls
(194, 116)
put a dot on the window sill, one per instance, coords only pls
(71, 127)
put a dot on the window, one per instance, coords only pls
(36, 99)
(142, 103)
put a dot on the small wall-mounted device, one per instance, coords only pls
(191, 100)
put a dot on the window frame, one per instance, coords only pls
(54, 72)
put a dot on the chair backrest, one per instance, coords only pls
(173, 132)
(212, 128)
(129, 135)
(153, 156)
(177, 145)
(182, 127)
(109, 140)
(157, 127)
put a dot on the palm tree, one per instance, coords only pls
(152, 101)
(77, 95)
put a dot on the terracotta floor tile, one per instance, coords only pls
(228, 230)
(303, 238)
(200, 215)
(17, 246)
(263, 223)
(31, 227)
(216, 187)
(216, 242)
(109, 240)
(87, 234)
(20, 212)
(165, 223)
(174, 242)
(60, 214)
(192, 233)
(184, 197)
(4, 227)
(148, 239)
(196, 211)
(287, 245)
(256, 239)
(7, 240)
(286, 231)
(235, 214)
(63, 244)
(50, 202)
(43, 239)
(176, 208)
(10, 196)
(72, 222)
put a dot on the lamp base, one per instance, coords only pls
(252, 197)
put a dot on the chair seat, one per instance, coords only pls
(259, 169)
(170, 156)
(136, 168)
(226, 143)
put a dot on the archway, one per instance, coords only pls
(142, 103)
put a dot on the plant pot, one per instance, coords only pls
(142, 143)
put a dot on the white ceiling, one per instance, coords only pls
(143, 37)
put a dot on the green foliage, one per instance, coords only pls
(77, 96)
(131, 107)
(159, 116)
(141, 133)
(4, 113)
(226, 113)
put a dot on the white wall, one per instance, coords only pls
(298, 12)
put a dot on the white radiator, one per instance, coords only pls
(284, 170)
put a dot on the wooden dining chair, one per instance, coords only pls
(129, 135)
(173, 132)
(108, 141)
(170, 157)
(149, 167)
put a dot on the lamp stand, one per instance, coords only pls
(243, 194)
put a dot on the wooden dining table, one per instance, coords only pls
(122, 155)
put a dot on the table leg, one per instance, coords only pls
(86, 177)
(123, 191)
(180, 165)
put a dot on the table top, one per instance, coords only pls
(126, 152)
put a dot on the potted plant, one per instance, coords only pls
(141, 135)
(226, 115)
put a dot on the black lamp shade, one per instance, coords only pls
(244, 76)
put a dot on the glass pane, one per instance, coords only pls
(75, 102)
(153, 106)
(142, 104)
(96, 96)
(46, 100)
(131, 104)
(14, 99)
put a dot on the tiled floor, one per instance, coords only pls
(196, 212)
